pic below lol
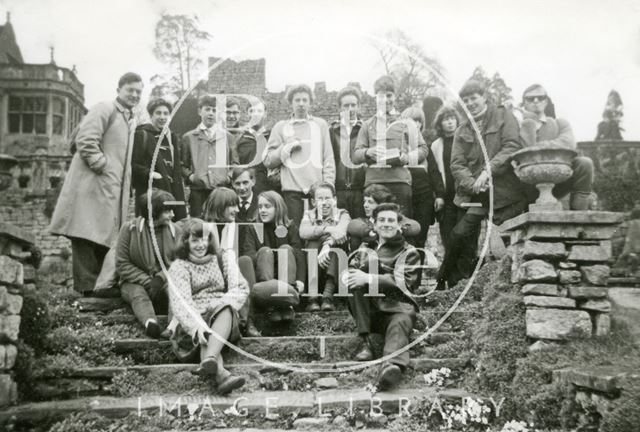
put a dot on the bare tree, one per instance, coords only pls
(179, 43)
(413, 69)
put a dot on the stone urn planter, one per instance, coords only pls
(544, 167)
(6, 163)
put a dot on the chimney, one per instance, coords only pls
(8, 17)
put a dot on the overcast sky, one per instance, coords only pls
(578, 49)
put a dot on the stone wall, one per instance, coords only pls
(562, 261)
(15, 249)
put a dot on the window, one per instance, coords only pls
(28, 115)
(57, 115)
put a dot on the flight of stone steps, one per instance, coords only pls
(321, 343)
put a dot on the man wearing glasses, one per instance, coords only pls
(233, 117)
(541, 128)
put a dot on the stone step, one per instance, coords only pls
(282, 403)
(420, 364)
(278, 349)
(607, 379)
(304, 323)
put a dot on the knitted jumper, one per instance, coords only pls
(202, 287)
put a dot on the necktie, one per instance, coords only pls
(245, 205)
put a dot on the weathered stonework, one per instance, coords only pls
(536, 271)
(548, 301)
(568, 277)
(590, 253)
(558, 324)
(596, 274)
(561, 260)
(542, 289)
(545, 250)
(15, 247)
(583, 292)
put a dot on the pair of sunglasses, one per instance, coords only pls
(535, 98)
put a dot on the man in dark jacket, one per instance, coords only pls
(500, 135)
(167, 171)
(142, 282)
(344, 134)
(393, 312)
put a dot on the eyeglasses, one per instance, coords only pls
(537, 98)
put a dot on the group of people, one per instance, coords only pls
(232, 219)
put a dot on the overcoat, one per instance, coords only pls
(94, 200)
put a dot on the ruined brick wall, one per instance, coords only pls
(249, 77)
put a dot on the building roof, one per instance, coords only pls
(9, 49)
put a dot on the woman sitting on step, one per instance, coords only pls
(206, 291)
(279, 244)
(222, 208)
(142, 282)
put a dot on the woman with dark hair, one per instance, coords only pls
(142, 281)
(167, 172)
(206, 293)
(222, 208)
(279, 240)
(361, 230)
(445, 124)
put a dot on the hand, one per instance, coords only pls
(289, 148)
(201, 336)
(323, 258)
(439, 204)
(481, 182)
(338, 235)
(376, 153)
(156, 285)
(404, 159)
(357, 278)
(300, 286)
(156, 175)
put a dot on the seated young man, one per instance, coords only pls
(325, 227)
(392, 314)
(362, 230)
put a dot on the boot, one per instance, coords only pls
(580, 200)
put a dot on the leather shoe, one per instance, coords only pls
(275, 315)
(390, 376)
(365, 354)
(250, 330)
(288, 314)
(230, 383)
(327, 305)
(313, 306)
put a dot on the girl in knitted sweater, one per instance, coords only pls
(206, 291)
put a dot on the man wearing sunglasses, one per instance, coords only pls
(540, 127)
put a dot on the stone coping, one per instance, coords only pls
(607, 379)
(7, 229)
(562, 217)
